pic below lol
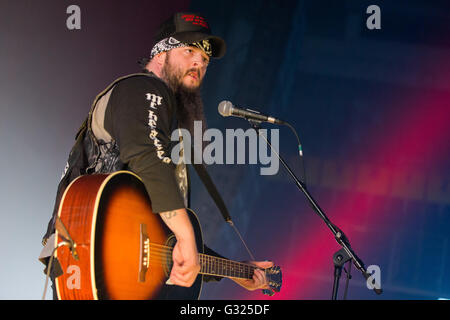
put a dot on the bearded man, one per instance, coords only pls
(130, 125)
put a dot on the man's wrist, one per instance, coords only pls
(179, 223)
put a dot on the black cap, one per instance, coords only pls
(188, 28)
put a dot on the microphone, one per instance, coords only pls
(226, 109)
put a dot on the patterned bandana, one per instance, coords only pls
(166, 45)
(204, 45)
(172, 43)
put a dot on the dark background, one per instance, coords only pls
(371, 108)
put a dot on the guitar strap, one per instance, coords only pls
(215, 195)
(212, 190)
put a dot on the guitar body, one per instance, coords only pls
(110, 219)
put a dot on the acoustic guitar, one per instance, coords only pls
(115, 247)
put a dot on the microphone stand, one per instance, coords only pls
(343, 255)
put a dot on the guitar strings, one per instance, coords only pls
(204, 271)
(161, 255)
(164, 253)
(167, 250)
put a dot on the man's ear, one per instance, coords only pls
(160, 58)
(156, 65)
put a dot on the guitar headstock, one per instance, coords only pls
(274, 278)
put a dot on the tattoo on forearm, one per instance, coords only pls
(169, 214)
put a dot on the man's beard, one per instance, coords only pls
(189, 106)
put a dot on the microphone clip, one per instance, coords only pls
(256, 124)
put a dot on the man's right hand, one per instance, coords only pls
(185, 264)
(185, 258)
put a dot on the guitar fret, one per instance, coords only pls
(204, 264)
(208, 264)
(233, 268)
(230, 265)
(226, 268)
(216, 266)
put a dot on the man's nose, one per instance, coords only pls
(198, 61)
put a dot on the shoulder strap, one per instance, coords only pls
(101, 94)
(207, 181)
(212, 190)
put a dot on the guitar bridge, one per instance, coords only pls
(144, 253)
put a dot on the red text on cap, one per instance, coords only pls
(197, 20)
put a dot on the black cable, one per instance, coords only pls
(300, 151)
(348, 278)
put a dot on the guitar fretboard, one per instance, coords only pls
(211, 265)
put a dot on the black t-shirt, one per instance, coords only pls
(140, 117)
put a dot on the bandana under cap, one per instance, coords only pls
(170, 43)
(166, 45)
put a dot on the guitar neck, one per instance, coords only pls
(209, 265)
(215, 266)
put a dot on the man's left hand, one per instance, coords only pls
(259, 280)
